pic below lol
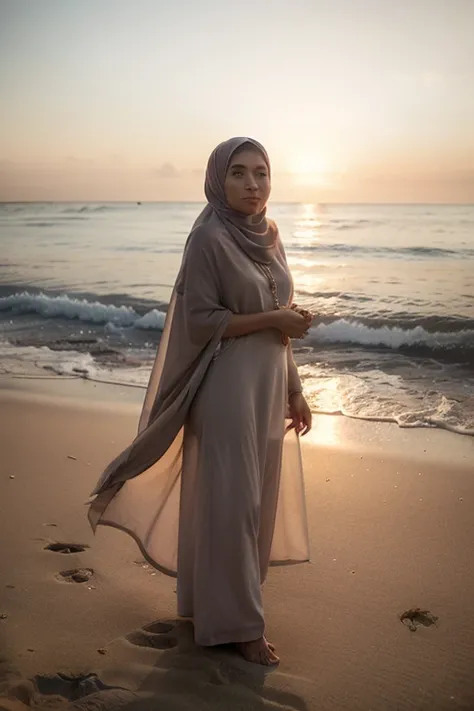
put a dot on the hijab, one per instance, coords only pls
(257, 236)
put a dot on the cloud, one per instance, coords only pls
(167, 171)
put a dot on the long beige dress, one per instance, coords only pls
(221, 495)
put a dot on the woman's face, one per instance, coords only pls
(247, 183)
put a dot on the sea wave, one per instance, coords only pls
(56, 222)
(403, 320)
(346, 331)
(430, 333)
(87, 208)
(374, 250)
(68, 307)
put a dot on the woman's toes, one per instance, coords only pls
(270, 645)
(258, 652)
(272, 657)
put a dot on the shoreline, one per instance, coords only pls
(332, 429)
(391, 527)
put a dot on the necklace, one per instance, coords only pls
(265, 269)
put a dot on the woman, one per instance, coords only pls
(211, 489)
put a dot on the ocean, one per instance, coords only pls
(84, 290)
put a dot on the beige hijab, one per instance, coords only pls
(257, 238)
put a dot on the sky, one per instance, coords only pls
(355, 100)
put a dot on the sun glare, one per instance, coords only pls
(308, 170)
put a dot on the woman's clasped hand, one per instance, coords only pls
(293, 322)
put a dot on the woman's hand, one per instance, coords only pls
(304, 312)
(301, 418)
(291, 323)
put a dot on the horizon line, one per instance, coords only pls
(201, 202)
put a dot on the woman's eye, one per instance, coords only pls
(237, 173)
(262, 174)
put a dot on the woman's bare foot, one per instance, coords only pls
(270, 645)
(258, 652)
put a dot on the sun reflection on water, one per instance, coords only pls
(306, 237)
(308, 225)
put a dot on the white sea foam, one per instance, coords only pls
(16, 360)
(347, 331)
(380, 397)
(31, 361)
(339, 331)
(372, 395)
(153, 320)
(69, 307)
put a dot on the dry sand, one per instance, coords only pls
(392, 528)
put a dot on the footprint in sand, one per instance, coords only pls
(156, 635)
(66, 547)
(75, 575)
(82, 690)
(415, 616)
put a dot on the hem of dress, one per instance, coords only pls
(148, 558)
(238, 637)
(173, 573)
(288, 561)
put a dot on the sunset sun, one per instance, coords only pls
(309, 170)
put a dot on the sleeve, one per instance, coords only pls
(198, 286)
(294, 382)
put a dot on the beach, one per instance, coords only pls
(89, 624)
(153, 222)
